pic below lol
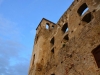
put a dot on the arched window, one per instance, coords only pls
(83, 9)
(47, 25)
(65, 28)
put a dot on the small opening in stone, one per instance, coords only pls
(79, 23)
(47, 25)
(94, 10)
(72, 31)
(36, 38)
(61, 62)
(33, 59)
(52, 41)
(52, 26)
(52, 50)
(66, 37)
(83, 9)
(87, 18)
(65, 27)
(96, 53)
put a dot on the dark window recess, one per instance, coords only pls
(65, 27)
(52, 50)
(36, 39)
(52, 26)
(66, 37)
(83, 8)
(33, 59)
(52, 41)
(87, 18)
(96, 53)
(47, 25)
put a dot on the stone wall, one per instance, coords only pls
(72, 45)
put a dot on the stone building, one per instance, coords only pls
(72, 45)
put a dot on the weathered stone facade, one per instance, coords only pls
(72, 46)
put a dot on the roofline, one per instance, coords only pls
(46, 20)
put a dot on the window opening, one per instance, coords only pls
(47, 25)
(66, 30)
(87, 18)
(66, 37)
(36, 39)
(52, 41)
(52, 26)
(33, 59)
(96, 53)
(52, 50)
(65, 27)
(83, 9)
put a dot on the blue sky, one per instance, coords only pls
(18, 22)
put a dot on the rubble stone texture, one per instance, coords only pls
(72, 45)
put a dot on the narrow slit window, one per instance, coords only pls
(36, 38)
(83, 9)
(96, 53)
(33, 59)
(47, 25)
(52, 50)
(65, 27)
(88, 17)
(52, 41)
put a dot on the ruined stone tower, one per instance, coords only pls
(72, 45)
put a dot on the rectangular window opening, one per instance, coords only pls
(87, 18)
(83, 9)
